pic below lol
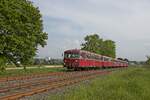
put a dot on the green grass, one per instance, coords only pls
(21, 72)
(13, 66)
(130, 84)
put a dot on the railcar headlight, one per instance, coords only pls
(76, 60)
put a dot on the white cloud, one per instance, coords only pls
(124, 21)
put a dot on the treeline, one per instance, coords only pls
(36, 62)
(44, 61)
(94, 43)
(148, 60)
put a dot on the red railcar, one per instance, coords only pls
(76, 58)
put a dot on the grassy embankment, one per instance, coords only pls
(22, 72)
(130, 84)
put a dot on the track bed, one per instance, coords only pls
(17, 87)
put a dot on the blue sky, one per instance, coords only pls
(67, 22)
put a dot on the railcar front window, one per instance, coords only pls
(72, 56)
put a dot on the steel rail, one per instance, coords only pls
(36, 82)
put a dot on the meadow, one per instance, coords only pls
(132, 83)
(22, 72)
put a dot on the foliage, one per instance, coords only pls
(148, 60)
(109, 48)
(3, 62)
(92, 43)
(55, 62)
(21, 31)
(129, 84)
(97, 45)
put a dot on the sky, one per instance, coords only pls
(67, 22)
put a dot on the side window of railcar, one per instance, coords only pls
(97, 57)
(110, 59)
(71, 55)
(74, 56)
(106, 59)
(67, 55)
(88, 56)
(92, 56)
(83, 55)
(102, 58)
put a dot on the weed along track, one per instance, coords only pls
(32, 85)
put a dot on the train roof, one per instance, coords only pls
(72, 51)
(120, 60)
(83, 51)
(78, 51)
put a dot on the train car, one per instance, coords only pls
(79, 59)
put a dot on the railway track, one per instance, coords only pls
(37, 86)
(37, 82)
(6, 79)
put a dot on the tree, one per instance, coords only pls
(148, 60)
(3, 62)
(94, 43)
(21, 31)
(109, 48)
